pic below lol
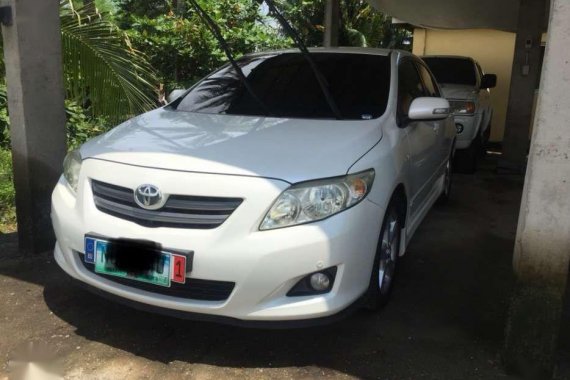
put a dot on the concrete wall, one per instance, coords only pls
(493, 49)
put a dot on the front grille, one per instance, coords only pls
(196, 289)
(180, 211)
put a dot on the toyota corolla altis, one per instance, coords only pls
(266, 197)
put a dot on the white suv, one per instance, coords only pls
(466, 87)
(257, 205)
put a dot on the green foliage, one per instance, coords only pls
(102, 70)
(364, 26)
(307, 17)
(103, 6)
(7, 193)
(80, 126)
(361, 25)
(139, 8)
(106, 6)
(179, 45)
(4, 120)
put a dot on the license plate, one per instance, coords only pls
(137, 261)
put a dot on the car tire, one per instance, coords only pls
(486, 138)
(384, 268)
(447, 181)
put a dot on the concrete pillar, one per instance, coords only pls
(33, 60)
(524, 79)
(332, 23)
(542, 249)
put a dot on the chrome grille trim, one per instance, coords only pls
(180, 211)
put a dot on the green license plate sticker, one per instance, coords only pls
(159, 276)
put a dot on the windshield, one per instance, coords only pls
(452, 70)
(285, 83)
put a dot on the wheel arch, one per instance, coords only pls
(400, 200)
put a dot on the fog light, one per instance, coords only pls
(320, 282)
(459, 127)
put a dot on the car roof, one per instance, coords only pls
(448, 56)
(340, 50)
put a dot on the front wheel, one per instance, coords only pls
(384, 269)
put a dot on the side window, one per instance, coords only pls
(429, 82)
(409, 87)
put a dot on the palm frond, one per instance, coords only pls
(102, 70)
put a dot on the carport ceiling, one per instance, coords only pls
(454, 14)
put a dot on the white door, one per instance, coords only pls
(439, 126)
(421, 135)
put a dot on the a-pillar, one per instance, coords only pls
(542, 247)
(33, 60)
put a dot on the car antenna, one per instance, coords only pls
(301, 45)
(215, 29)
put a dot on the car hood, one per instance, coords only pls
(458, 91)
(293, 150)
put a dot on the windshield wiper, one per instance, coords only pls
(301, 45)
(215, 29)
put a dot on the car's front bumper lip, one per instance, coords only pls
(264, 265)
(201, 317)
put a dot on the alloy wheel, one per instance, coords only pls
(388, 254)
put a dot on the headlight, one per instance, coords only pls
(459, 107)
(72, 168)
(316, 200)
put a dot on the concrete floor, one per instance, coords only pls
(445, 321)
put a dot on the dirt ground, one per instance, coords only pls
(445, 321)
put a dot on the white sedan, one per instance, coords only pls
(467, 88)
(264, 198)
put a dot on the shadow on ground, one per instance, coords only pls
(445, 321)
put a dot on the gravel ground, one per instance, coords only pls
(445, 321)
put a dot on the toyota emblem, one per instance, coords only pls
(149, 197)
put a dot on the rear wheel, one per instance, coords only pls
(384, 269)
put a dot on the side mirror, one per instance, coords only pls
(175, 94)
(428, 109)
(488, 81)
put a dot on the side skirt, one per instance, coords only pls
(435, 192)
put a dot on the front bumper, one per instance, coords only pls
(471, 127)
(264, 265)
